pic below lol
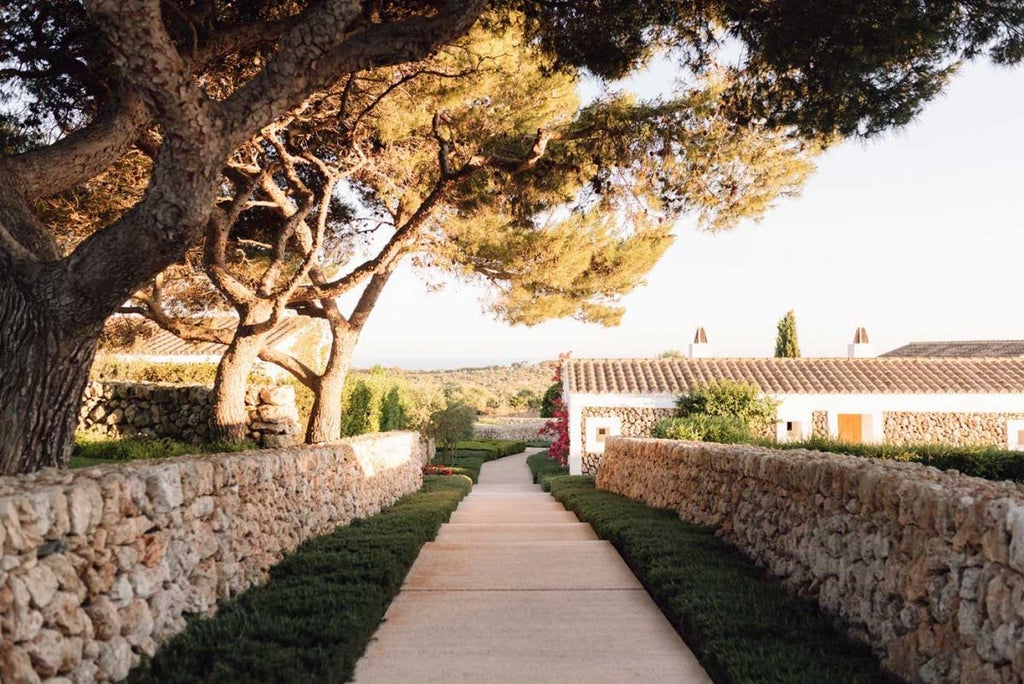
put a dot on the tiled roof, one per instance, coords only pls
(961, 349)
(159, 342)
(799, 376)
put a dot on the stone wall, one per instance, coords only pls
(183, 412)
(926, 566)
(959, 429)
(819, 424)
(101, 564)
(516, 429)
(636, 422)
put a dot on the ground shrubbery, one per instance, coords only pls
(702, 428)
(311, 622)
(543, 466)
(742, 626)
(979, 461)
(90, 450)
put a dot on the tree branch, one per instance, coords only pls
(303, 373)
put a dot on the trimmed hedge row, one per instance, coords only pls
(986, 462)
(742, 626)
(312, 621)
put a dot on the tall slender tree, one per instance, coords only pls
(786, 345)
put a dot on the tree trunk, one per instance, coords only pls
(44, 375)
(230, 418)
(325, 416)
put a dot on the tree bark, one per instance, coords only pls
(44, 376)
(230, 418)
(325, 416)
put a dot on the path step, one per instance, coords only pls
(458, 566)
(513, 516)
(511, 532)
(516, 589)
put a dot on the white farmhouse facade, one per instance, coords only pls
(953, 400)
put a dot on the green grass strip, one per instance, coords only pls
(312, 621)
(91, 450)
(743, 626)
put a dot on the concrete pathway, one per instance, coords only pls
(517, 589)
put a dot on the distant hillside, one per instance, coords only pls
(495, 390)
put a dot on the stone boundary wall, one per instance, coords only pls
(636, 422)
(183, 412)
(101, 564)
(957, 429)
(924, 565)
(516, 429)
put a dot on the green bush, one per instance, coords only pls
(552, 395)
(500, 447)
(543, 467)
(312, 621)
(91, 450)
(978, 461)
(729, 398)
(450, 425)
(703, 428)
(742, 626)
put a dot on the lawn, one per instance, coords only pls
(312, 621)
(743, 626)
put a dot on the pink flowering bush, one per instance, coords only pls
(558, 426)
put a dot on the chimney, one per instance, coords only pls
(700, 348)
(861, 347)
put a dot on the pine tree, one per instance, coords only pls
(786, 345)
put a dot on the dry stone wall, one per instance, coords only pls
(101, 564)
(926, 566)
(959, 429)
(183, 412)
(636, 422)
(516, 429)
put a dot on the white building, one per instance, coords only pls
(899, 399)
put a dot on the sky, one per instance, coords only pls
(915, 235)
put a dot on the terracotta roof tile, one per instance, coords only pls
(960, 349)
(801, 376)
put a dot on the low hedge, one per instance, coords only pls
(312, 621)
(500, 447)
(742, 626)
(543, 467)
(90, 450)
(986, 462)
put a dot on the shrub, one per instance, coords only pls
(730, 398)
(552, 395)
(741, 625)
(91, 450)
(393, 413)
(703, 428)
(977, 461)
(449, 425)
(311, 622)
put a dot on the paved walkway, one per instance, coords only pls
(517, 589)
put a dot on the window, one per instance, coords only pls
(597, 430)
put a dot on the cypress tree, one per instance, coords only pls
(786, 345)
